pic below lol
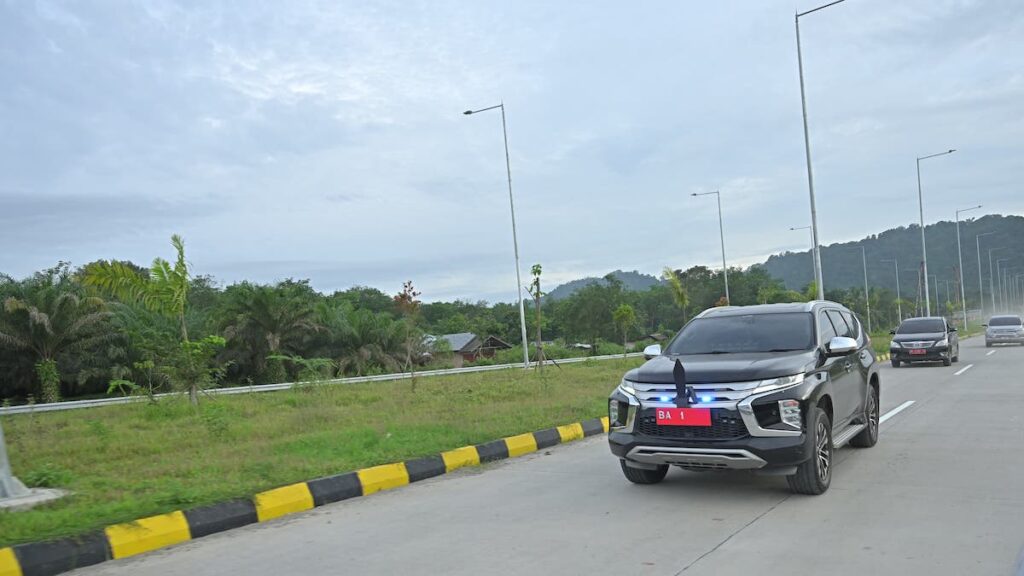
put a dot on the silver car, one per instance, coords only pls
(1004, 330)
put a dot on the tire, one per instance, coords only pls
(814, 476)
(957, 357)
(895, 363)
(642, 476)
(988, 344)
(946, 361)
(868, 437)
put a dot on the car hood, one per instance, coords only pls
(923, 337)
(711, 368)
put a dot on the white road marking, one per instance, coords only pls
(990, 352)
(895, 411)
(964, 369)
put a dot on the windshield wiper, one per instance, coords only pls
(718, 352)
(785, 349)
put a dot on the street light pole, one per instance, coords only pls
(867, 298)
(1020, 289)
(981, 287)
(960, 254)
(899, 304)
(999, 278)
(816, 256)
(811, 231)
(924, 250)
(515, 239)
(1005, 281)
(10, 487)
(992, 278)
(721, 235)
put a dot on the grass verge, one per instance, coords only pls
(129, 461)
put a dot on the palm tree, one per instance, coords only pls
(47, 318)
(679, 293)
(370, 341)
(268, 321)
(165, 291)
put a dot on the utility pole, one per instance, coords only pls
(867, 295)
(981, 287)
(899, 295)
(960, 255)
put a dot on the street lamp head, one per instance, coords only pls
(468, 112)
(951, 150)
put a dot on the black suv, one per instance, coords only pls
(773, 388)
(927, 339)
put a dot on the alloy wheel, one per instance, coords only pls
(873, 413)
(824, 452)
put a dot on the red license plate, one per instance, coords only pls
(918, 351)
(683, 416)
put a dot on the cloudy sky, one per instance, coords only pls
(325, 140)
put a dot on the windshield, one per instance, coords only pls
(751, 333)
(921, 326)
(1005, 321)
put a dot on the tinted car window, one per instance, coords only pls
(748, 333)
(825, 329)
(839, 323)
(854, 325)
(1005, 321)
(921, 326)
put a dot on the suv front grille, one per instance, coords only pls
(725, 425)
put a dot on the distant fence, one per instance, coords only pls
(77, 404)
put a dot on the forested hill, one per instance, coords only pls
(842, 265)
(630, 281)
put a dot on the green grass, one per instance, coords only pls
(129, 461)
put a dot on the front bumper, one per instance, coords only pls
(748, 453)
(1004, 339)
(933, 354)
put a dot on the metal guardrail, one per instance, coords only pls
(97, 402)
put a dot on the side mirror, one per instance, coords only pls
(840, 346)
(652, 351)
(952, 328)
(893, 332)
(984, 325)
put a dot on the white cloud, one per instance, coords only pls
(327, 137)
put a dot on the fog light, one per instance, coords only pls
(613, 412)
(789, 413)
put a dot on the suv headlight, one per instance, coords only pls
(943, 342)
(894, 345)
(774, 384)
(627, 387)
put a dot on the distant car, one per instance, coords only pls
(1004, 330)
(927, 339)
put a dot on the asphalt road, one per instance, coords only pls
(941, 493)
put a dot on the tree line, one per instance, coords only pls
(112, 327)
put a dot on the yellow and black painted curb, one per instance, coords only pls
(154, 532)
(882, 357)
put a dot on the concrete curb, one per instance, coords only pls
(155, 532)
